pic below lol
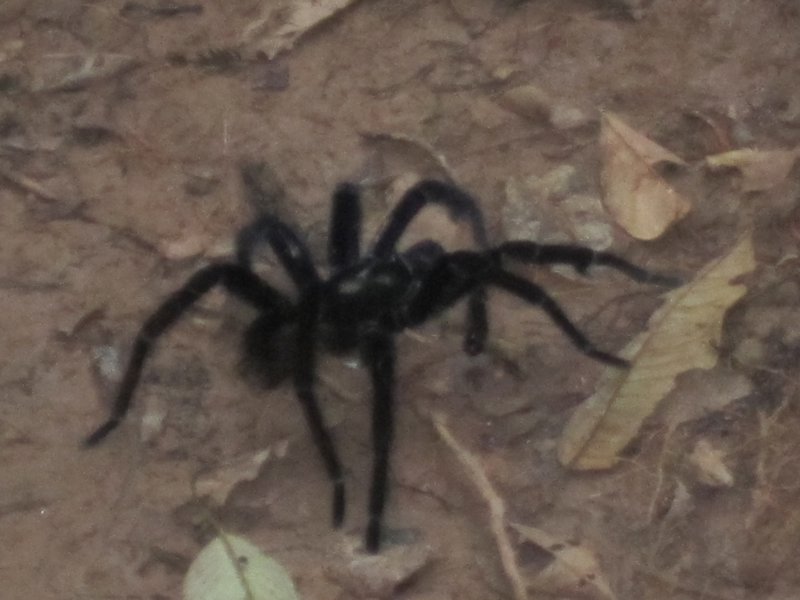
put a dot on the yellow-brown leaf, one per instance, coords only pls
(681, 336)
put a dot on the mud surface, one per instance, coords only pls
(123, 133)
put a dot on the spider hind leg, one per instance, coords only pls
(238, 280)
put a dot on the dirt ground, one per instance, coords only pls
(124, 129)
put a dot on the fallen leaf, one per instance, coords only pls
(639, 199)
(282, 24)
(760, 169)
(572, 572)
(681, 335)
(232, 568)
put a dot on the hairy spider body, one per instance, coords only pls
(366, 300)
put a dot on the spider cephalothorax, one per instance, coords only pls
(367, 299)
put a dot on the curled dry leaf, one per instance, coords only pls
(282, 23)
(639, 199)
(681, 336)
(760, 169)
(572, 572)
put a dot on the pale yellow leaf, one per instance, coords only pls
(281, 23)
(638, 198)
(760, 169)
(573, 571)
(681, 335)
(232, 568)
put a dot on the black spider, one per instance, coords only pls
(366, 300)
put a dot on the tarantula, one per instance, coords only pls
(366, 299)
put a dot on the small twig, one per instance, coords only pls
(29, 185)
(497, 508)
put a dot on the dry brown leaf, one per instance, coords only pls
(760, 169)
(681, 336)
(282, 23)
(573, 571)
(639, 199)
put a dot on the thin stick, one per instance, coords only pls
(497, 508)
(28, 184)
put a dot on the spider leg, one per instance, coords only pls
(238, 280)
(461, 205)
(308, 314)
(379, 356)
(459, 273)
(345, 229)
(532, 293)
(291, 251)
(579, 257)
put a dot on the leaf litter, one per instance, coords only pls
(682, 336)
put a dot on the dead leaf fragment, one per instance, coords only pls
(760, 169)
(189, 246)
(573, 571)
(681, 336)
(281, 24)
(709, 465)
(639, 199)
(219, 483)
(381, 575)
(532, 102)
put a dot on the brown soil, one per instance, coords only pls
(119, 183)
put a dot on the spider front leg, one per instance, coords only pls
(379, 355)
(460, 204)
(238, 280)
(458, 274)
(533, 294)
(580, 258)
